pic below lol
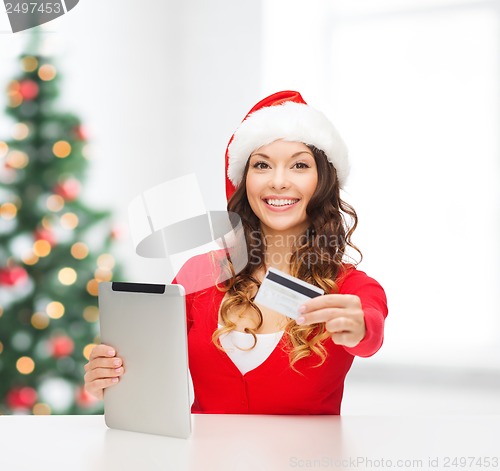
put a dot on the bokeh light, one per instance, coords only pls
(55, 203)
(29, 63)
(102, 274)
(41, 248)
(79, 250)
(86, 152)
(40, 320)
(93, 287)
(87, 350)
(29, 258)
(17, 159)
(69, 221)
(47, 72)
(15, 99)
(61, 149)
(106, 261)
(67, 276)
(4, 148)
(21, 340)
(57, 392)
(8, 211)
(14, 86)
(46, 223)
(55, 310)
(41, 409)
(14, 94)
(20, 131)
(25, 365)
(91, 314)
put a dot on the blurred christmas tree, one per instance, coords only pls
(53, 251)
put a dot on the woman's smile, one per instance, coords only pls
(277, 203)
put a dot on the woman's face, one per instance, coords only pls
(282, 177)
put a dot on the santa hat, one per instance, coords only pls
(283, 115)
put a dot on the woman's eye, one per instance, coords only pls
(260, 165)
(301, 165)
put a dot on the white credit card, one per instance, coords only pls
(284, 293)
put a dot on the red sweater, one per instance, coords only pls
(273, 387)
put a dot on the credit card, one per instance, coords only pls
(285, 293)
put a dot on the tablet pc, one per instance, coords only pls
(146, 325)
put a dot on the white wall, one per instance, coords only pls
(161, 86)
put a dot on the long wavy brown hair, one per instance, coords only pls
(319, 258)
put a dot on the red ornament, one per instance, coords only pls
(62, 346)
(28, 89)
(85, 399)
(45, 234)
(117, 232)
(13, 276)
(69, 189)
(21, 398)
(81, 132)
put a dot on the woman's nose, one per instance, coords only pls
(279, 179)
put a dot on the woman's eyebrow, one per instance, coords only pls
(291, 157)
(302, 152)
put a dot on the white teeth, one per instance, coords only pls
(281, 202)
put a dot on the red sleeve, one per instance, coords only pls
(374, 304)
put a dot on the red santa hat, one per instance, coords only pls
(283, 115)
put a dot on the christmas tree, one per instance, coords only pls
(54, 250)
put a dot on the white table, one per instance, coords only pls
(237, 442)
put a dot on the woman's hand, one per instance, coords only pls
(103, 370)
(342, 314)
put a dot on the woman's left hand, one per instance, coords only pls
(342, 314)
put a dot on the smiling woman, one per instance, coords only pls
(285, 166)
(280, 180)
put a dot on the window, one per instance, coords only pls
(413, 89)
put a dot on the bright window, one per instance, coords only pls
(414, 92)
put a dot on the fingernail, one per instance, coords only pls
(300, 320)
(114, 380)
(111, 353)
(118, 370)
(117, 362)
(301, 309)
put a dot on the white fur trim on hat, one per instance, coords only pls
(289, 121)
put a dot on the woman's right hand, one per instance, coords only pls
(103, 370)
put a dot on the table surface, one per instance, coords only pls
(252, 442)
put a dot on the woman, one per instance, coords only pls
(285, 166)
